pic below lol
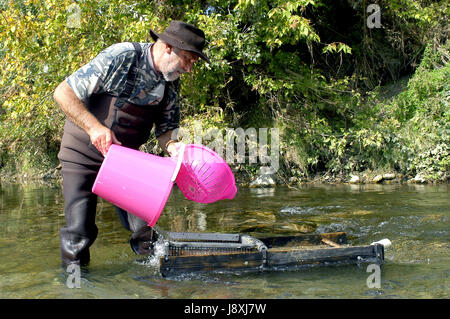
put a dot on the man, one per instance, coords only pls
(117, 98)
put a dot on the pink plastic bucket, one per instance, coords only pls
(137, 182)
(204, 176)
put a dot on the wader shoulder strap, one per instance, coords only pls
(132, 73)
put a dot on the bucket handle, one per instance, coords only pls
(180, 159)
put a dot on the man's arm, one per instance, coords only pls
(168, 142)
(101, 136)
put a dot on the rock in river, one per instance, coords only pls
(266, 178)
(377, 179)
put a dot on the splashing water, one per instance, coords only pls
(152, 260)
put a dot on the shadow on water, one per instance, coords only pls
(414, 217)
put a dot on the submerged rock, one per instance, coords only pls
(261, 215)
(277, 228)
(350, 214)
(293, 228)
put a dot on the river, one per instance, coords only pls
(414, 217)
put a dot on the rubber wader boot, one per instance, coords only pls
(80, 232)
(141, 240)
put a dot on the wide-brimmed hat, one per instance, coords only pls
(183, 36)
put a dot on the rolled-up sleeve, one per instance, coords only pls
(169, 116)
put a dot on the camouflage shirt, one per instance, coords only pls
(107, 73)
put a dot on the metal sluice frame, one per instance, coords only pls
(193, 252)
(186, 243)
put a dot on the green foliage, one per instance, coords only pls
(408, 133)
(424, 110)
(309, 67)
(42, 43)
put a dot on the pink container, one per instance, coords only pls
(137, 182)
(204, 176)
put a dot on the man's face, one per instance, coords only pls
(176, 63)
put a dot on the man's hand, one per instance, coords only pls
(102, 138)
(173, 148)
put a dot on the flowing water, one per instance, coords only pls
(416, 218)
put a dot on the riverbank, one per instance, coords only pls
(368, 177)
(262, 178)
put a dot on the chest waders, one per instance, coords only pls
(81, 161)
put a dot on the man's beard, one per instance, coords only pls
(171, 75)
